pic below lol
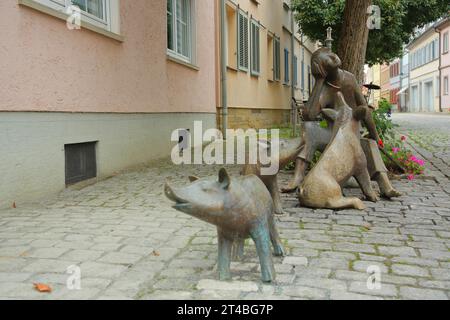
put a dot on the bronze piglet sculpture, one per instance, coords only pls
(288, 151)
(342, 159)
(239, 208)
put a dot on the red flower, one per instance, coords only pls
(403, 138)
(380, 143)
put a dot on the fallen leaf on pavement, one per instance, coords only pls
(42, 287)
(156, 253)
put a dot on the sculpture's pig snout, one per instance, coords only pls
(172, 195)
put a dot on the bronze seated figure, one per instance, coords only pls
(330, 79)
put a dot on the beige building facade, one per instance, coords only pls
(262, 64)
(424, 72)
(385, 82)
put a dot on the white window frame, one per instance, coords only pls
(110, 21)
(191, 52)
(255, 48)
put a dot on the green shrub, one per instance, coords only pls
(383, 121)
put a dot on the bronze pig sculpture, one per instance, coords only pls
(240, 208)
(288, 151)
(342, 159)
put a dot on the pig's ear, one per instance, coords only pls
(329, 114)
(193, 178)
(224, 178)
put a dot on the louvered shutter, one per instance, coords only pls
(276, 55)
(255, 48)
(243, 42)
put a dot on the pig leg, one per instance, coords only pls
(275, 237)
(238, 249)
(224, 260)
(363, 179)
(275, 192)
(261, 237)
(345, 203)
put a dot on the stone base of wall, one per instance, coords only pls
(32, 156)
(244, 118)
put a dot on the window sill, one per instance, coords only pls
(183, 63)
(232, 68)
(63, 16)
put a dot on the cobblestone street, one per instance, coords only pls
(130, 243)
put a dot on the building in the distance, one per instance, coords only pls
(385, 82)
(443, 28)
(394, 82)
(403, 94)
(424, 71)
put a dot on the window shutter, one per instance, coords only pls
(243, 42)
(286, 66)
(276, 59)
(255, 48)
(295, 71)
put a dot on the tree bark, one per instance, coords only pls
(354, 36)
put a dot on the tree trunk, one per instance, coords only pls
(354, 36)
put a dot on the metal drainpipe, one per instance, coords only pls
(293, 106)
(223, 68)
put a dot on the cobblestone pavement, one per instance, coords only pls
(130, 244)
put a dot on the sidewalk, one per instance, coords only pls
(130, 244)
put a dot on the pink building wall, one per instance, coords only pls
(46, 67)
(445, 69)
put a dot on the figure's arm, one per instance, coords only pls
(313, 107)
(368, 120)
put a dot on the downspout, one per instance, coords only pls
(293, 104)
(223, 69)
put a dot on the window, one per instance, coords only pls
(270, 57)
(100, 13)
(426, 54)
(445, 43)
(93, 7)
(255, 48)
(277, 59)
(303, 73)
(243, 42)
(286, 66)
(295, 75)
(180, 35)
(445, 84)
(231, 31)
